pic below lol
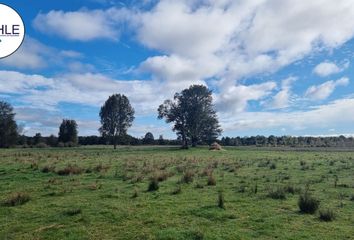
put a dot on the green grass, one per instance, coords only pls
(104, 193)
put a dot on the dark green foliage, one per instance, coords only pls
(68, 132)
(116, 116)
(153, 185)
(307, 203)
(8, 126)
(16, 199)
(221, 200)
(193, 115)
(272, 166)
(73, 212)
(327, 215)
(148, 138)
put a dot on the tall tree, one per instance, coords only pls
(68, 131)
(8, 126)
(117, 116)
(148, 138)
(193, 115)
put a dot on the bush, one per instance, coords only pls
(153, 185)
(327, 215)
(16, 199)
(278, 193)
(307, 203)
(61, 144)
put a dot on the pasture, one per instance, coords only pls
(168, 193)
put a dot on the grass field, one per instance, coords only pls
(101, 193)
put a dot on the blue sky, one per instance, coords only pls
(281, 67)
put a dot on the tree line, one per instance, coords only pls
(191, 112)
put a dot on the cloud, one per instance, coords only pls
(326, 68)
(82, 25)
(235, 98)
(324, 90)
(223, 41)
(34, 55)
(282, 98)
(323, 116)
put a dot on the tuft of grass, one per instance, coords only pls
(211, 180)
(153, 185)
(188, 176)
(307, 203)
(135, 193)
(277, 193)
(221, 200)
(15, 199)
(176, 191)
(47, 169)
(327, 215)
(70, 170)
(73, 212)
(272, 166)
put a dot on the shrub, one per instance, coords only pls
(221, 200)
(352, 198)
(211, 180)
(61, 144)
(327, 215)
(278, 193)
(187, 176)
(153, 185)
(16, 199)
(307, 203)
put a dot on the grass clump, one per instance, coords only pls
(307, 203)
(70, 170)
(73, 212)
(15, 199)
(327, 215)
(221, 200)
(188, 176)
(176, 191)
(153, 185)
(211, 180)
(278, 193)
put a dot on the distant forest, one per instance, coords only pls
(259, 141)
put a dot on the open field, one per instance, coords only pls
(99, 193)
